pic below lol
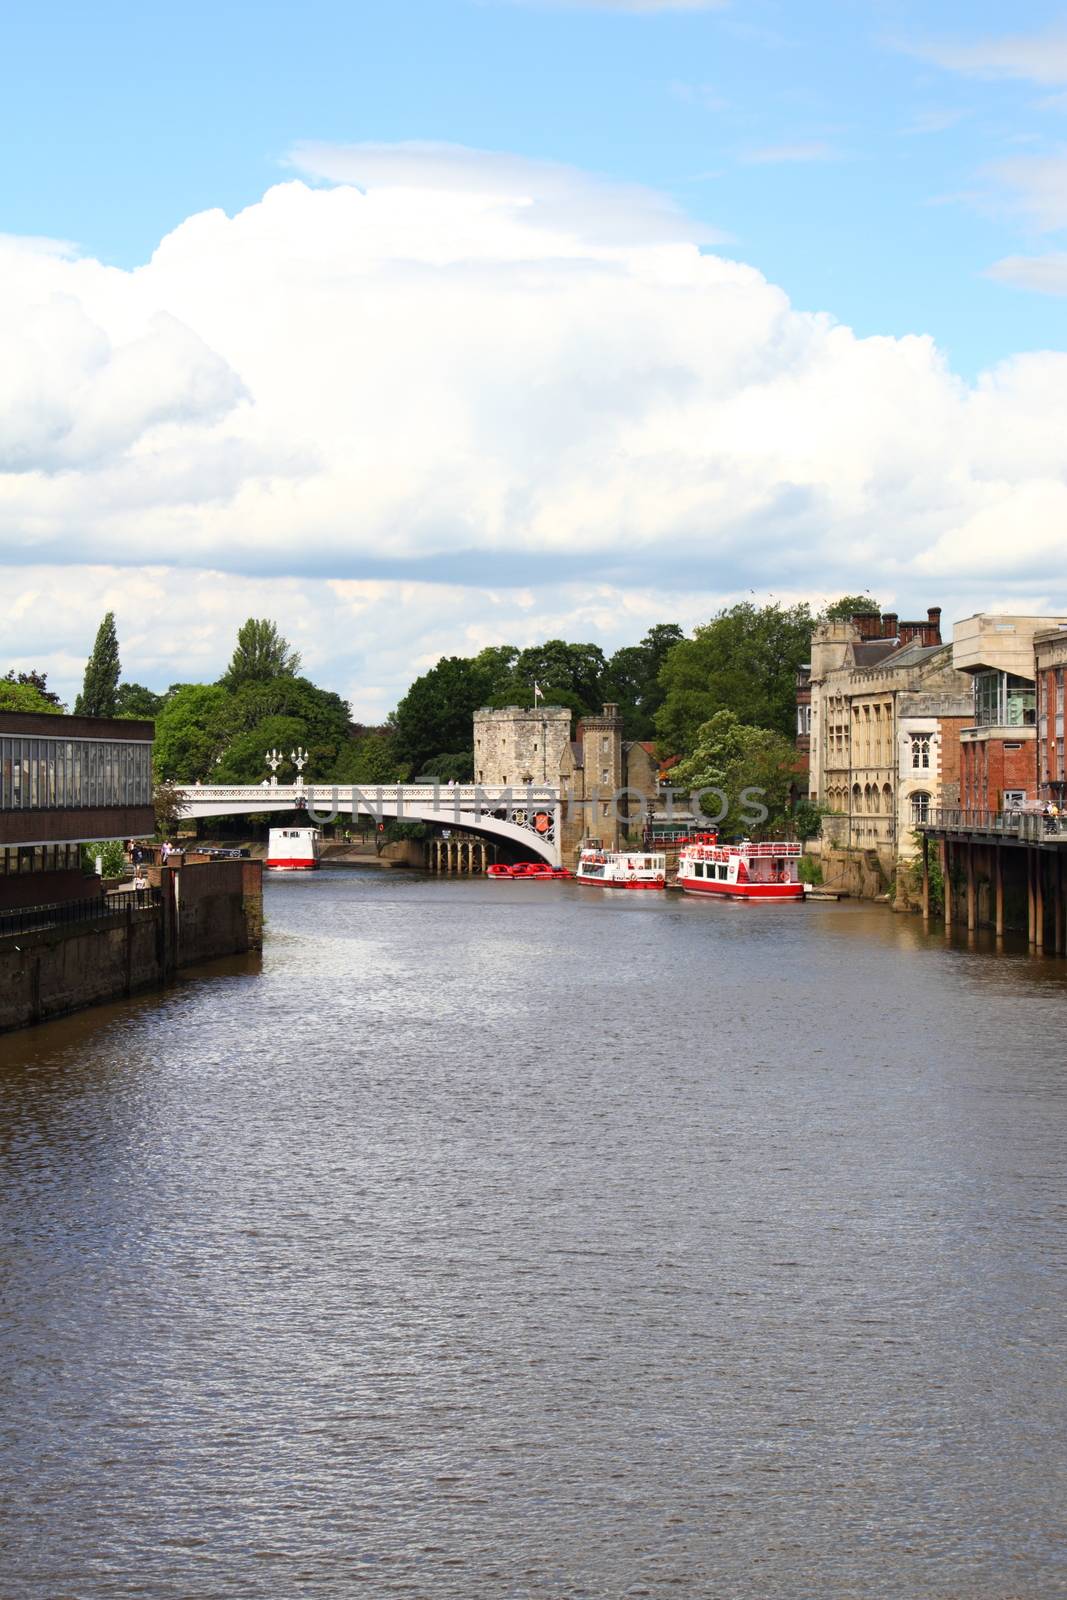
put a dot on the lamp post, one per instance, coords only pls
(274, 761)
(299, 759)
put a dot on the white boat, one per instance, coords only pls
(621, 869)
(293, 850)
(745, 871)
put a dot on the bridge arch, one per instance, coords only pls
(527, 819)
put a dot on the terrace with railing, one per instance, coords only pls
(1015, 826)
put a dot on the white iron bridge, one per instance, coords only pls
(523, 815)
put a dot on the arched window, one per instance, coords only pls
(920, 806)
(857, 797)
(887, 799)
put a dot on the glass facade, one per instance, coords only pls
(71, 774)
(1002, 700)
(25, 858)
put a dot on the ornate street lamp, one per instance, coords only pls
(299, 759)
(274, 761)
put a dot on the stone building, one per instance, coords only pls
(516, 745)
(887, 707)
(608, 781)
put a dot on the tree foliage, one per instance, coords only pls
(436, 713)
(733, 757)
(17, 695)
(99, 695)
(259, 655)
(134, 700)
(845, 609)
(633, 678)
(744, 660)
(37, 681)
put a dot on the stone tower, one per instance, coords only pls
(516, 745)
(601, 740)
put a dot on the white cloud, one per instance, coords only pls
(1038, 185)
(1045, 274)
(475, 398)
(1039, 57)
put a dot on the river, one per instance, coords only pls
(524, 1240)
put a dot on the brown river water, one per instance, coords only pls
(524, 1240)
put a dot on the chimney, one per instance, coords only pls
(910, 630)
(889, 625)
(934, 625)
(866, 623)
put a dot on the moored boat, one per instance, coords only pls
(525, 871)
(293, 850)
(746, 871)
(621, 869)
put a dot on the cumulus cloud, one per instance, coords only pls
(462, 380)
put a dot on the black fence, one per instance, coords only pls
(65, 914)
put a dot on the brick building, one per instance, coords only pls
(1050, 663)
(64, 782)
(998, 750)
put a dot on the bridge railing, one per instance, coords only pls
(1028, 827)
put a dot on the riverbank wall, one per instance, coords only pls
(202, 911)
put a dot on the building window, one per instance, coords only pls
(920, 751)
(1003, 700)
(803, 720)
(45, 774)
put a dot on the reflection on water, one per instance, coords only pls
(526, 1240)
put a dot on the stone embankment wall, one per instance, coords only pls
(207, 911)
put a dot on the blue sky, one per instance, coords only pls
(818, 140)
(432, 324)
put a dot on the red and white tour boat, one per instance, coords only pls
(621, 869)
(293, 850)
(745, 871)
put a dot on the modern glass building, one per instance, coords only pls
(64, 782)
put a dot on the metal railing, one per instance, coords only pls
(67, 913)
(1029, 827)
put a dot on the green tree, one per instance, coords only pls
(99, 696)
(807, 818)
(169, 808)
(567, 674)
(17, 696)
(732, 757)
(193, 729)
(849, 604)
(134, 700)
(37, 681)
(744, 660)
(632, 678)
(371, 760)
(437, 711)
(245, 758)
(458, 768)
(323, 718)
(260, 654)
